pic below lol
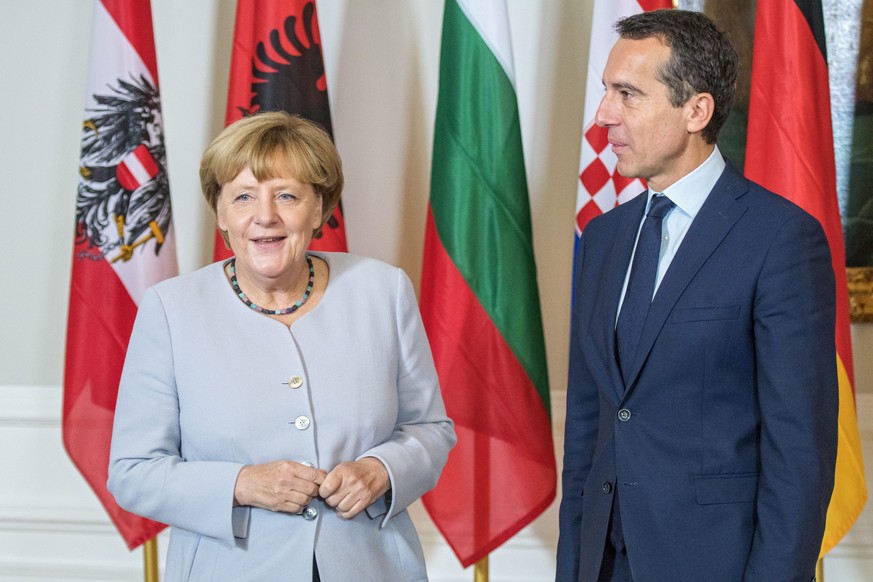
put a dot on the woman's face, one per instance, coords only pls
(269, 224)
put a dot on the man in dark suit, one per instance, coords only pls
(702, 402)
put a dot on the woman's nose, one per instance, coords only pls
(266, 210)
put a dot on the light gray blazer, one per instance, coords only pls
(207, 388)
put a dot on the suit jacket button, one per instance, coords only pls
(624, 415)
(295, 382)
(606, 487)
(301, 423)
(310, 513)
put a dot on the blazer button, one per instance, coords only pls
(606, 487)
(624, 415)
(295, 382)
(301, 423)
(310, 513)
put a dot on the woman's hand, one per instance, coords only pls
(352, 486)
(278, 486)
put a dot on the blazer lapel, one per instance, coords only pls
(717, 216)
(606, 304)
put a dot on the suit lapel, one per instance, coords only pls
(717, 216)
(606, 304)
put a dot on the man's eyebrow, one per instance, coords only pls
(623, 85)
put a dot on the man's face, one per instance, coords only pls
(648, 135)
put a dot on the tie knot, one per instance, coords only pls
(661, 205)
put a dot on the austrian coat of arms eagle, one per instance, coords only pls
(123, 200)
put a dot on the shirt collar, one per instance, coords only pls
(690, 192)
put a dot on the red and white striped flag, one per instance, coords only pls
(124, 237)
(601, 187)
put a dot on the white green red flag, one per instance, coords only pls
(124, 238)
(790, 150)
(479, 297)
(601, 187)
(277, 65)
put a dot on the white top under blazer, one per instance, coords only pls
(209, 386)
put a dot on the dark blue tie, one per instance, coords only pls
(641, 285)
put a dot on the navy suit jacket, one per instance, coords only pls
(722, 445)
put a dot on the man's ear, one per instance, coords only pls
(699, 111)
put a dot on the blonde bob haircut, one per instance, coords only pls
(273, 144)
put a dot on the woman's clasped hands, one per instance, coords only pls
(289, 486)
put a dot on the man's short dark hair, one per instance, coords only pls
(702, 58)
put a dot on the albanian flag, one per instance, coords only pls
(276, 65)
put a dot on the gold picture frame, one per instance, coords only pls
(860, 281)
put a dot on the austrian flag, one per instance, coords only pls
(124, 238)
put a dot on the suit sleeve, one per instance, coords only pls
(794, 315)
(423, 436)
(147, 473)
(580, 434)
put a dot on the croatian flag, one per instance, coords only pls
(601, 187)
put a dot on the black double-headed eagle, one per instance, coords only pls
(123, 172)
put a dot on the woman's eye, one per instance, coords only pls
(286, 196)
(244, 197)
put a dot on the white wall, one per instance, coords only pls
(381, 58)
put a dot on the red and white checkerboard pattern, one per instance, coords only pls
(601, 187)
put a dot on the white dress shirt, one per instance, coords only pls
(688, 194)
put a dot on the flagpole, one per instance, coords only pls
(150, 560)
(819, 570)
(480, 571)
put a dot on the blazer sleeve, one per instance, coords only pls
(148, 475)
(580, 436)
(794, 315)
(423, 435)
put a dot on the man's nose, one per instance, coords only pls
(605, 115)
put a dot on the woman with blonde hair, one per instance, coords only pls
(280, 410)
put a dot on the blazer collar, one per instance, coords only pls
(606, 305)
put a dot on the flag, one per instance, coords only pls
(124, 239)
(790, 150)
(276, 65)
(479, 297)
(601, 187)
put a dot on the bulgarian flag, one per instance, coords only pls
(276, 65)
(124, 238)
(790, 149)
(601, 187)
(479, 298)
